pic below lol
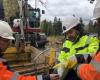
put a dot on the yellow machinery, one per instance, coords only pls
(11, 50)
(52, 57)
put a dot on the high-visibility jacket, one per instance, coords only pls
(8, 75)
(85, 45)
(90, 71)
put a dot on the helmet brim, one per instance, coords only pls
(70, 27)
(10, 37)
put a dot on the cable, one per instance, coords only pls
(43, 4)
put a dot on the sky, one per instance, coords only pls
(65, 8)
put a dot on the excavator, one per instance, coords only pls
(22, 54)
(24, 20)
(28, 26)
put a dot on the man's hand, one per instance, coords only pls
(54, 77)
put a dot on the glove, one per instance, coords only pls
(58, 65)
(60, 68)
(71, 62)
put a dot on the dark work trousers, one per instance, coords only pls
(70, 75)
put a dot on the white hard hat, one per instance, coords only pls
(96, 13)
(5, 30)
(69, 23)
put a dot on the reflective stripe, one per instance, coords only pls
(88, 40)
(85, 46)
(73, 58)
(81, 48)
(39, 77)
(81, 58)
(96, 65)
(77, 69)
(85, 56)
(16, 74)
(3, 60)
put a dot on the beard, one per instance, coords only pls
(72, 38)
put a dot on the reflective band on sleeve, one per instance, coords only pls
(96, 65)
(85, 46)
(16, 74)
(3, 60)
(85, 56)
(39, 77)
(73, 58)
(88, 40)
(77, 69)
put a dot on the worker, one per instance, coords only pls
(77, 44)
(76, 41)
(91, 71)
(6, 34)
(87, 71)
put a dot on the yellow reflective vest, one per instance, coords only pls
(85, 45)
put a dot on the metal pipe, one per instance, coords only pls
(41, 53)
